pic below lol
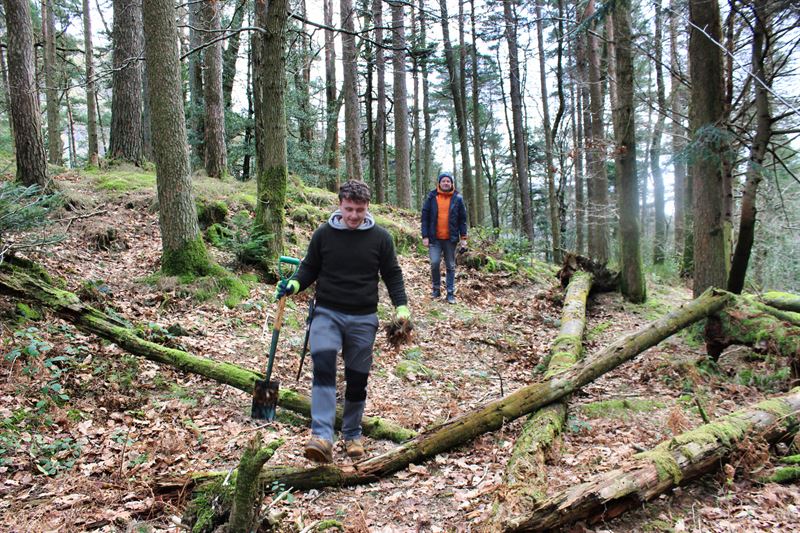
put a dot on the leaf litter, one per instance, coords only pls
(132, 431)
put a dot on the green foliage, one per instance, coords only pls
(240, 238)
(23, 210)
(773, 382)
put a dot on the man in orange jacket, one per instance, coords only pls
(444, 225)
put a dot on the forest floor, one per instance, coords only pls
(125, 424)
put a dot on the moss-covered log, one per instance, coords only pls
(750, 323)
(466, 427)
(27, 281)
(525, 473)
(782, 300)
(249, 491)
(672, 462)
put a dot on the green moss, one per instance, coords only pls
(210, 212)
(727, 430)
(125, 181)
(598, 329)
(779, 408)
(191, 258)
(200, 512)
(666, 465)
(407, 367)
(26, 312)
(791, 460)
(328, 524)
(247, 200)
(620, 408)
(786, 474)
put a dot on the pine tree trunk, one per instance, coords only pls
(331, 101)
(519, 141)
(477, 140)
(707, 114)
(6, 103)
(91, 108)
(73, 156)
(30, 155)
(54, 146)
(183, 250)
(579, 111)
(126, 98)
(147, 116)
(597, 181)
(271, 127)
(660, 238)
(555, 227)
(676, 461)
(196, 118)
(677, 132)
(231, 54)
(402, 146)
(467, 184)
(216, 155)
(632, 282)
(426, 111)
(419, 185)
(352, 115)
(758, 150)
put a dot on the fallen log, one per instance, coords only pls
(492, 416)
(782, 300)
(673, 462)
(748, 322)
(26, 280)
(524, 477)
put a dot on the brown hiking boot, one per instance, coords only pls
(354, 448)
(319, 450)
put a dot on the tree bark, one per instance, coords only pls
(271, 126)
(477, 139)
(632, 282)
(352, 115)
(677, 130)
(216, 154)
(27, 281)
(707, 114)
(660, 236)
(249, 493)
(758, 150)
(402, 146)
(6, 97)
(126, 97)
(332, 104)
(419, 185)
(54, 146)
(29, 146)
(782, 300)
(196, 117)
(649, 474)
(550, 169)
(231, 54)
(524, 477)
(519, 142)
(467, 184)
(182, 247)
(597, 180)
(426, 111)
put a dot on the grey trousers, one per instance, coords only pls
(354, 335)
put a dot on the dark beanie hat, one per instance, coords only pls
(446, 174)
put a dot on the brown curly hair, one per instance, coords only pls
(354, 190)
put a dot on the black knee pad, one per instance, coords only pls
(356, 390)
(324, 368)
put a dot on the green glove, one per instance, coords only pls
(403, 312)
(286, 288)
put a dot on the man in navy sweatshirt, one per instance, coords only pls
(346, 257)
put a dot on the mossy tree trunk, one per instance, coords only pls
(750, 323)
(494, 415)
(182, 247)
(26, 280)
(782, 300)
(270, 73)
(649, 474)
(525, 473)
(249, 491)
